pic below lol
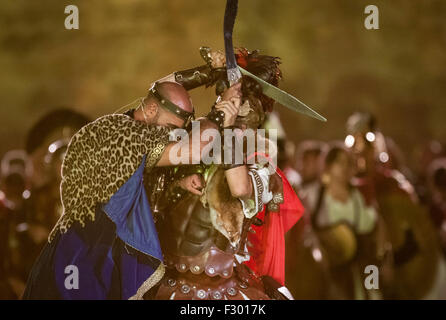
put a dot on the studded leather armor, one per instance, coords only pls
(204, 75)
(188, 238)
(184, 224)
(200, 261)
(199, 76)
(189, 229)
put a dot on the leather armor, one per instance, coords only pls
(199, 76)
(203, 75)
(200, 261)
(188, 229)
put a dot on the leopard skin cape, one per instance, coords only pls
(100, 158)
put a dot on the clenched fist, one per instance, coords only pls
(230, 104)
(193, 183)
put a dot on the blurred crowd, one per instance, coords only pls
(29, 196)
(364, 206)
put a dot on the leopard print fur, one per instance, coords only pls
(100, 158)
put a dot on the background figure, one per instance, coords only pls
(425, 155)
(45, 207)
(46, 144)
(437, 205)
(345, 226)
(307, 274)
(31, 184)
(286, 150)
(363, 132)
(338, 237)
(309, 164)
(58, 124)
(412, 243)
(14, 182)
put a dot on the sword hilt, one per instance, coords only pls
(234, 75)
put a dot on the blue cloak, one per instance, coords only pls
(116, 256)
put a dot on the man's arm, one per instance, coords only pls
(240, 182)
(209, 74)
(194, 153)
(229, 105)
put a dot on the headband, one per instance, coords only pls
(170, 106)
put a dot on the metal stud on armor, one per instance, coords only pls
(201, 294)
(171, 282)
(185, 289)
(217, 295)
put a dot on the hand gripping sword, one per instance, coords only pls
(235, 72)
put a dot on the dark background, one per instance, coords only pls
(330, 61)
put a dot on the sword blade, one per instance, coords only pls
(233, 72)
(283, 97)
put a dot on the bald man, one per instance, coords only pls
(105, 245)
